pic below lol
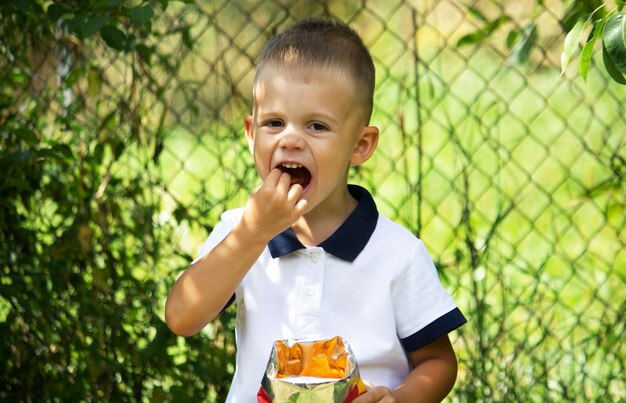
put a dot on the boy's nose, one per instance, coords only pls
(291, 141)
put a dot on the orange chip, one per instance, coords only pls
(320, 368)
(327, 347)
(293, 367)
(340, 363)
(297, 352)
(326, 359)
(282, 356)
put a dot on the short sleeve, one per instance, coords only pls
(424, 310)
(224, 227)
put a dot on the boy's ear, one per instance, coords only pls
(248, 124)
(365, 146)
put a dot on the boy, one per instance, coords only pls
(309, 256)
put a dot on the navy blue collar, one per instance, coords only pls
(350, 238)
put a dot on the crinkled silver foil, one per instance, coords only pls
(300, 389)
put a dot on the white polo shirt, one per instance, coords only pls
(372, 282)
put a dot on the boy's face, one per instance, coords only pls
(311, 127)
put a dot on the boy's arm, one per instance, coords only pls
(203, 290)
(433, 375)
(432, 378)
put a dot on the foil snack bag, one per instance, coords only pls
(305, 370)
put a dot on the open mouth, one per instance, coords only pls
(298, 173)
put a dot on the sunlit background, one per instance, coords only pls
(511, 173)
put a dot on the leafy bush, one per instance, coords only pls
(80, 298)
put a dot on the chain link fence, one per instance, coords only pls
(511, 174)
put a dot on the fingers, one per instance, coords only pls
(294, 192)
(382, 394)
(278, 181)
(277, 185)
(274, 177)
(276, 205)
(284, 180)
(293, 197)
(301, 206)
(377, 394)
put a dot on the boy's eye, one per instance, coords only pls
(273, 123)
(318, 127)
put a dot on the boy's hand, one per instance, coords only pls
(273, 207)
(377, 394)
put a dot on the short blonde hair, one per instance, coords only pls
(315, 44)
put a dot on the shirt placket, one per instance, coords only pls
(310, 293)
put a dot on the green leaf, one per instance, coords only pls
(477, 13)
(511, 38)
(482, 33)
(56, 11)
(614, 40)
(471, 39)
(571, 43)
(24, 5)
(521, 52)
(610, 67)
(27, 135)
(142, 14)
(113, 37)
(64, 151)
(103, 6)
(76, 23)
(93, 24)
(587, 52)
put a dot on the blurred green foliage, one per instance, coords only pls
(577, 15)
(80, 299)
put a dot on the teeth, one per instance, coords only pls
(291, 165)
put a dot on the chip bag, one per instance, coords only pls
(321, 370)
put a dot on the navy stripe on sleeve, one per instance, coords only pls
(443, 325)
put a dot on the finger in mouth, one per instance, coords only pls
(298, 174)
